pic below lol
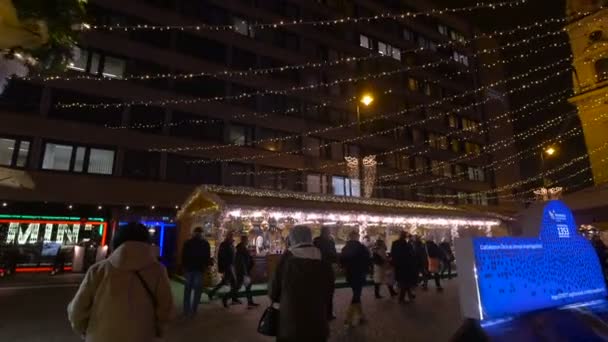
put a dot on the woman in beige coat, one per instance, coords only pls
(113, 304)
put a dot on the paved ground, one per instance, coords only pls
(33, 313)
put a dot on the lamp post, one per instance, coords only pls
(366, 99)
(550, 152)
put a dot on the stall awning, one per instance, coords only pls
(210, 198)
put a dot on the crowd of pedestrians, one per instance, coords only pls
(131, 282)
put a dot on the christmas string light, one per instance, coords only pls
(302, 22)
(384, 116)
(332, 63)
(245, 95)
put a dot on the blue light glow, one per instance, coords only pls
(161, 225)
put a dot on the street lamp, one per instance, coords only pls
(366, 100)
(550, 152)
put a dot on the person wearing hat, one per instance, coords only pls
(126, 297)
(196, 257)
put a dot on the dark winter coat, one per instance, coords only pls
(243, 262)
(302, 285)
(448, 255)
(225, 257)
(356, 261)
(196, 255)
(405, 263)
(422, 260)
(327, 247)
(433, 251)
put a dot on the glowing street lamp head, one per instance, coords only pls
(367, 99)
(550, 151)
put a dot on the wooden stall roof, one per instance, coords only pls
(218, 197)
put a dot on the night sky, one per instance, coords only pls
(533, 11)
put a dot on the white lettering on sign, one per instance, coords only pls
(563, 231)
(30, 233)
(557, 217)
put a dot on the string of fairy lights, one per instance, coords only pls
(297, 109)
(302, 22)
(322, 64)
(392, 129)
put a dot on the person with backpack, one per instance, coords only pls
(301, 287)
(126, 297)
(196, 257)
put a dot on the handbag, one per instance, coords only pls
(269, 322)
(157, 330)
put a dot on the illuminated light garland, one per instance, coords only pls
(450, 76)
(352, 167)
(401, 149)
(503, 143)
(369, 175)
(367, 77)
(301, 22)
(378, 117)
(283, 68)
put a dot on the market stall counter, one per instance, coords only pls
(266, 217)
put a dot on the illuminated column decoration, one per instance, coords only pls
(488, 231)
(369, 175)
(64, 230)
(352, 167)
(31, 234)
(454, 232)
(13, 229)
(362, 231)
(547, 194)
(48, 232)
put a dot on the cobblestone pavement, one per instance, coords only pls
(33, 314)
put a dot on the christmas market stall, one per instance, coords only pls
(266, 217)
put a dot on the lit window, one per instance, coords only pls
(24, 150)
(601, 69)
(453, 121)
(79, 60)
(7, 150)
(101, 161)
(476, 174)
(442, 29)
(240, 135)
(114, 67)
(79, 161)
(461, 58)
(397, 54)
(241, 26)
(365, 41)
(343, 186)
(455, 145)
(57, 157)
(383, 48)
(412, 84)
(316, 183)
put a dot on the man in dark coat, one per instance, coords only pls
(301, 286)
(196, 257)
(327, 246)
(447, 258)
(356, 261)
(225, 266)
(243, 264)
(434, 254)
(422, 261)
(406, 268)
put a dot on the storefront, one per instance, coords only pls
(266, 217)
(31, 243)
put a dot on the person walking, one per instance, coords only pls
(225, 265)
(301, 287)
(196, 257)
(448, 258)
(381, 269)
(406, 267)
(422, 261)
(126, 297)
(327, 246)
(434, 254)
(243, 264)
(355, 259)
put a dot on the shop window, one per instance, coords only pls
(601, 69)
(60, 157)
(242, 26)
(14, 152)
(344, 186)
(240, 135)
(365, 41)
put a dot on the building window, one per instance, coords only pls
(95, 63)
(389, 50)
(443, 29)
(476, 174)
(470, 147)
(427, 43)
(438, 141)
(453, 121)
(344, 186)
(242, 26)
(436, 168)
(420, 163)
(457, 36)
(413, 84)
(240, 135)
(113, 67)
(408, 35)
(312, 146)
(601, 69)
(403, 162)
(72, 158)
(14, 152)
(447, 170)
(461, 58)
(479, 199)
(365, 41)
(316, 183)
(455, 145)
(470, 125)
